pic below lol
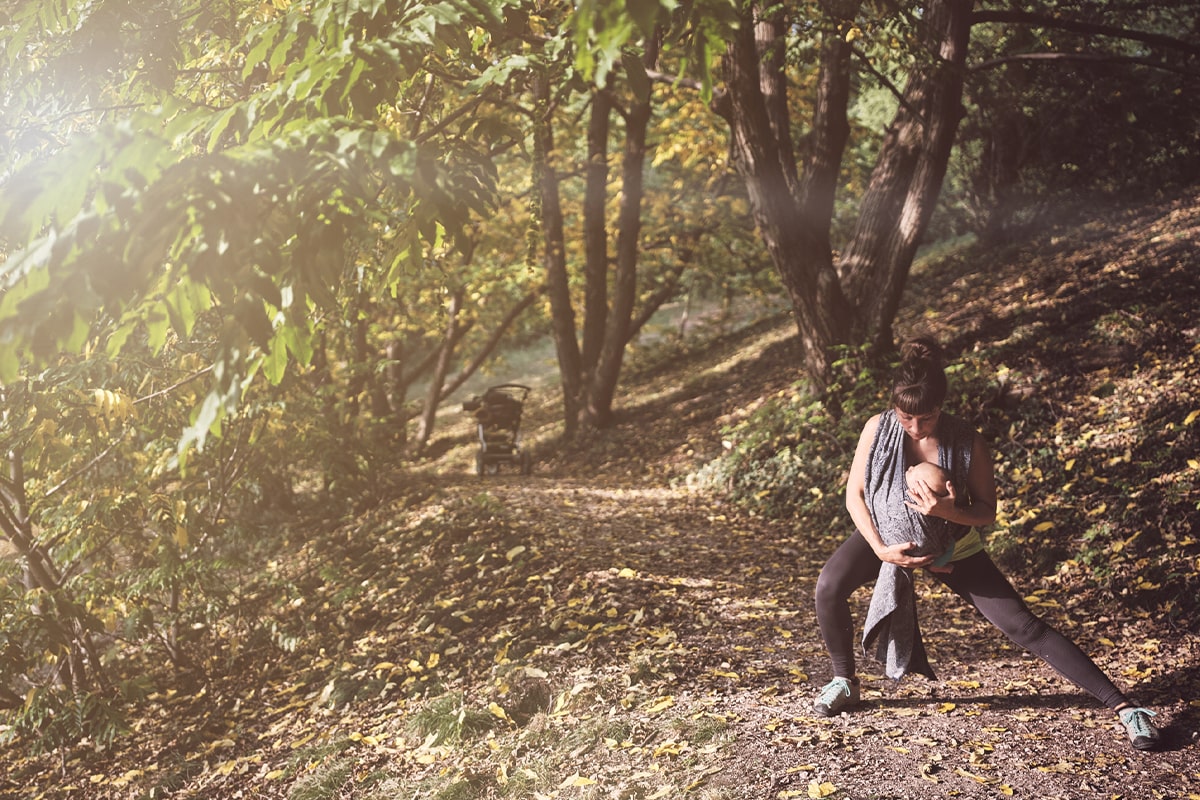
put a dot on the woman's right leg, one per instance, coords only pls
(852, 565)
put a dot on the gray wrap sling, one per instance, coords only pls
(891, 625)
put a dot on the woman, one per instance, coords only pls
(894, 509)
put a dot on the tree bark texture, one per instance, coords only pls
(603, 384)
(440, 370)
(595, 232)
(762, 152)
(562, 315)
(908, 174)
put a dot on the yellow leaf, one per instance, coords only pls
(181, 536)
(627, 573)
(576, 780)
(1192, 417)
(1070, 465)
(661, 704)
(433, 660)
(1042, 526)
(668, 748)
(497, 711)
(820, 789)
(513, 553)
(946, 708)
(385, 666)
(1193, 463)
(973, 776)
(275, 774)
(1006, 790)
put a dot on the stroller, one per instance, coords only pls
(498, 414)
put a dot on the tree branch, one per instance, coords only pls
(1096, 58)
(1075, 26)
(887, 84)
(174, 386)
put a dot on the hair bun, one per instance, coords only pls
(922, 348)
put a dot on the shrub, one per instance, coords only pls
(790, 455)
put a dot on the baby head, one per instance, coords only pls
(929, 473)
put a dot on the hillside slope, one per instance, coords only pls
(597, 630)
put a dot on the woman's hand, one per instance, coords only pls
(927, 501)
(898, 554)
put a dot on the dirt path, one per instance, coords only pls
(733, 598)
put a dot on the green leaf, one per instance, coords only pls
(188, 299)
(276, 361)
(10, 365)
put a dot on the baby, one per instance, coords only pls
(937, 479)
(930, 473)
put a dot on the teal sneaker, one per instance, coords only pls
(838, 695)
(1141, 730)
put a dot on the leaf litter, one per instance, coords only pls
(598, 631)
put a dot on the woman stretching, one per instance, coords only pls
(908, 518)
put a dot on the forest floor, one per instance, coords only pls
(601, 630)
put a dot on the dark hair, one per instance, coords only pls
(919, 382)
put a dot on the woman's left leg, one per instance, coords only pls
(978, 581)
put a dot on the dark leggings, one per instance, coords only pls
(975, 579)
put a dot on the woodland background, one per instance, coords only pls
(256, 254)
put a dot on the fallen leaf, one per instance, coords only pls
(661, 704)
(818, 790)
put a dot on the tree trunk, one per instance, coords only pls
(440, 370)
(397, 390)
(762, 152)
(595, 232)
(65, 622)
(908, 173)
(830, 127)
(360, 373)
(629, 232)
(562, 315)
